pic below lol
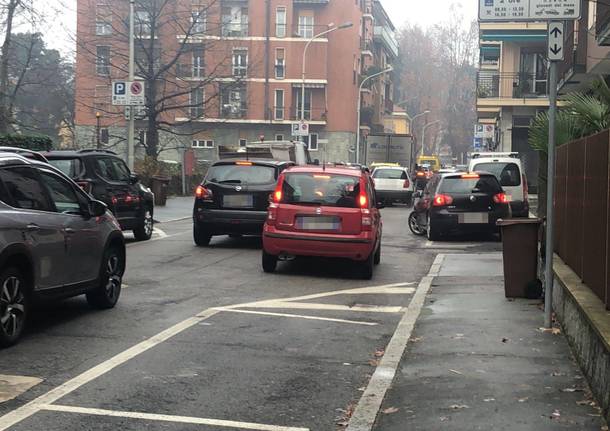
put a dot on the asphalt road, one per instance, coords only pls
(203, 339)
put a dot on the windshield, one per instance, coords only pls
(507, 173)
(458, 185)
(242, 174)
(390, 174)
(321, 189)
(70, 167)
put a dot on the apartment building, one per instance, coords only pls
(227, 72)
(512, 85)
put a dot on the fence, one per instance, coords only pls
(492, 84)
(582, 206)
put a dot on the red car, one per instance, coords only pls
(326, 211)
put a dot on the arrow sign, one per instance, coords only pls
(555, 36)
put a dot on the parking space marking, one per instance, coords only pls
(167, 236)
(13, 386)
(438, 244)
(298, 316)
(326, 307)
(159, 232)
(366, 411)
(169, 418)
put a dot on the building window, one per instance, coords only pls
(103, 20)
(143, 56)
(142, 138)
(243, 142)
(279, 137)
(102, 60)
(280, 22)
(104, 136)
(196, 102)
(234, 21)
(280, 64)
(311, 141)
(233, 101)
(297, 105)
(202, 143)
(240, 62)
(279, 105)
(305, 26)
(198, 22)
(142, 23)
(198, 63)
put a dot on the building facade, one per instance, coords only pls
(227, 72)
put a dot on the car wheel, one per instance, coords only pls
(14, 306)
(377, 258)
(414, 225)
(269, 262)
(368, 267)
(433, 232)
(201, 236)
(144, 230)
(106, 295)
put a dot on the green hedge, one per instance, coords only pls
(30, 142)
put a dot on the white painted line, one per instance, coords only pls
(298, 316)
(327, 307)
(366, 411)
(27, 410)
(173, 219)
(159, 232)
(13, 386)
(169, 418)
(458, 246)
(131, 244)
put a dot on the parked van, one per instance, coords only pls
(508, 170)
(433, 161)
(288, 151)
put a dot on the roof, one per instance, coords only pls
(335, 170)
(76, 153)
(268, 162)
(8, 159)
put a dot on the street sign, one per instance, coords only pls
(528, 10)
(484, 131)
(555, 38)
(128, 93)
(300, 129)
(478, 144)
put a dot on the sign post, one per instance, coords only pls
(300, 129)
(528, 10)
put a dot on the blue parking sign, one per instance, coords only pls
(119, 88)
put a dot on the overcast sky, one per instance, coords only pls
(422, 12)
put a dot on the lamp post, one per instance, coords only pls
(98, 143)
(131, 127)
(411, 121)
(330, 30)
(389, 69)
(423, 134)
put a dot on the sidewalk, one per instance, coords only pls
(177, 207)
(477, 361)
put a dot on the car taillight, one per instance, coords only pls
(367, 220)
(363, 201)
(203, 193)
(277, 194)
(114, 200)
(85, 185)
(442, 200)
(501, 198)
(272, 214)
(420, 174)
(406, 184)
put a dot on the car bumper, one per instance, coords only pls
(356, 247)
(394, 195)
(446, 221)
(220, 222)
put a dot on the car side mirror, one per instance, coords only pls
(133, 178)
(97, 208)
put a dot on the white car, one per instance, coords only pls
(392, 184)
(508, 170)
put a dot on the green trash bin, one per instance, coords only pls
(520, 254)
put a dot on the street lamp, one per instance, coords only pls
(423, 134)
(131, 125)
(97, 130)
(411, 121)
(389, 69)
(330, 30)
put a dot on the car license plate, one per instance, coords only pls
(318, 223)
(474, 218)
(237, 201)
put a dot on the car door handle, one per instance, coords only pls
(69, 231)
(32, 228)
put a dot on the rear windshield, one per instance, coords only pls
(242, 174)
(321, 189)
(70, 167)
(458, 185)
(507, 173)
(390, 174)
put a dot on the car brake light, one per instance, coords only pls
(114, 200)
(501, 198)
(243, 163)
(277, 194)
(421, 174)
(442, 200)
(366, 220)
(203, 193)
(470, 176)
(406, 184)
(272, 214)
(363, 201)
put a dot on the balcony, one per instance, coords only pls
(232, 29)
(511, 85)
(387, 37)
(572, 69)
(602, 24)
(311, 114)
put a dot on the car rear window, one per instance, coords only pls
(507, 173)
(242, 174)
(460, 185)
(390, 174)
(321, 189)
(70, 167)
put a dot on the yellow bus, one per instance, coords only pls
(433, 161)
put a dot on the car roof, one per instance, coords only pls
(398, 168)
(336, 170)
(71, 154)
(264, 162)
(496, 159)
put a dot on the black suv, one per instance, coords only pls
(233, 198)
(106, 177)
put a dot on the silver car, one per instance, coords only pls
(55, 242)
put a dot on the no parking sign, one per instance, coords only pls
(128, 93)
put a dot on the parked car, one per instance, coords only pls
(324, 211)
(392, 184)
(459, 203)
(233, 198)
(30, 154)
(508, 170)
(106, 177)
(56, 242)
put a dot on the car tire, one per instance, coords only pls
(269, 262)
(201, 236)
(433, 231)
(414, 226)
(14, 306)
(368, 267)
(144, 230)
(106, 294)
(377, 257)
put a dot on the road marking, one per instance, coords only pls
(169, 418)
(27, 410)
(173, 219)
(131, 244)
(326, 307)
(436, 244)
(299, 316)
(159, 232)
(13, 386)
(366, 411)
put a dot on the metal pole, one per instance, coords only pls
(423, 135)
(550, 190)
(98, 143)
(183, 171)
(131, 126)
